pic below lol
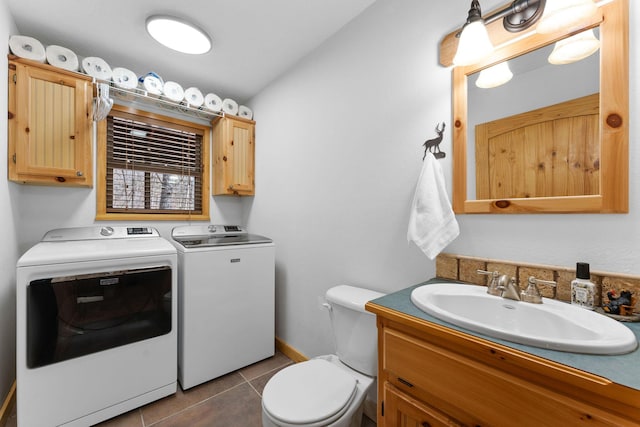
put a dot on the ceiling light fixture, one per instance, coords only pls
(178, 34)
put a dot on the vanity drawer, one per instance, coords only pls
(405, 411)
(475, 393)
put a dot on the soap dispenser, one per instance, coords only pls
(583, 291)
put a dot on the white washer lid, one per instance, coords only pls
(308, 392)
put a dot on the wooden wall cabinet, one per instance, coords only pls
(233, 156)
(49, 126)
(430, 375)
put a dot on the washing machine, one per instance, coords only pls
(226, 304)
(96, 325)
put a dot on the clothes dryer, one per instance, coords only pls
(96, 325)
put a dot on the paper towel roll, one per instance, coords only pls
(245, 112)
(173, 91)
(27, 47)
(61, 57)
(152, 85)
(124, 78)
(230, 106)
(193, 97)
(213, 102)
(96, 67)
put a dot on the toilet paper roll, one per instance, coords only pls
(61, 57)
(28, 48)
(96, 67)
(153, 74)
(152, 85)
(230, 106)
(245, 112)
(124, 78)
(173, 92)
(193, 97)
(212, 102)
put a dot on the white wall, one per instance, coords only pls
(9, 245)
(338, 154)
(339, 150)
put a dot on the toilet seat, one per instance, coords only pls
(311, 393)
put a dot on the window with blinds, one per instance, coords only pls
(153, 166)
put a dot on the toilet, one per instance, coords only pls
(330, 390)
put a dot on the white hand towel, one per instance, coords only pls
(432, 224)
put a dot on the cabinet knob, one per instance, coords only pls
(79, 173)
(61, 179)
(224, 158)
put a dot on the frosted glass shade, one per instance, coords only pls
(474, 44)
(494, 76)
(559, 14)
(574, 48)
(178, 35)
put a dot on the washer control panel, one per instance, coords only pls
(98, 233)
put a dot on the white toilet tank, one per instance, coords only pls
(354, 329)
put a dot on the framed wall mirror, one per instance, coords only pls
(555, 138)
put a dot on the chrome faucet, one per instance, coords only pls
(532, 293)
(510, 288)
(501, 285)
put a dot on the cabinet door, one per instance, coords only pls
(52, 128)
(234, 156)
(402, 410)
(241, 161)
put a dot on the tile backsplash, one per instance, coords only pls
(463, 268)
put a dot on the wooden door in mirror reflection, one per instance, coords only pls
(549, 152)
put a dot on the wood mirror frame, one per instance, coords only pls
(613, 20)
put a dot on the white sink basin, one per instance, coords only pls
(553, 324)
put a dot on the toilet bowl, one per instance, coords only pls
(329, 390)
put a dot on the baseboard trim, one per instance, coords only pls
(289, 351)
(7, 406)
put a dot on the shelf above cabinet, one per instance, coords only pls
(142, 97)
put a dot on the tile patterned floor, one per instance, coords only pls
(232, 400)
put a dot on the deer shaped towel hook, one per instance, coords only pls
(433, 145)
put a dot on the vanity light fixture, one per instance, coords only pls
(563, 13)
(178, 34)
(574, 48)
(494, 76)
(474, 43)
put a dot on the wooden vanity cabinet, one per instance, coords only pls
(233, 156)
(430, 375)
(49, 135)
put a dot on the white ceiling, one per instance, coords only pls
(254, 41)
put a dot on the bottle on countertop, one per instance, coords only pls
(583, 291)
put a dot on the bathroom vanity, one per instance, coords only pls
(431, 373)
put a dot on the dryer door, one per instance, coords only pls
(73, 316)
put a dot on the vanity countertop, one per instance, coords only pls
(622, 369)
